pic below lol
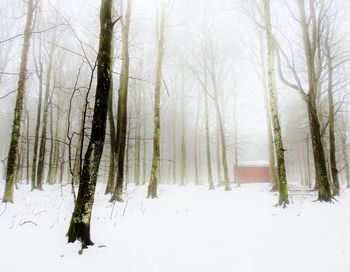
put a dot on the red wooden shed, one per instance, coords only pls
(253, 172)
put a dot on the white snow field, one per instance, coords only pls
(187, 229)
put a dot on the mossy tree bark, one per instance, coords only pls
(271, 148)
(310, 32)
(79, 228)
(272, 97)
(310, 48)
(122, 112)
(16, 128)
(153, 183)
(323, 186)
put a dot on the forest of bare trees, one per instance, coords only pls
(102, 96)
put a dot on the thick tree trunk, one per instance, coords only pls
(122, 117)
(322, 182)
(16, 128)
(321, 179)
(79, 228)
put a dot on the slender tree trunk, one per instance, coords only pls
(175, 141)
(345, 156)
(112, 164)
(137, 165)
(207, 138)
(271, 149)
(277, 132)
(39, 72)
(42, 148)
(16, 128)
(218, 159)
(235, 141)
(221, 135)
(51, 156)
(57, 143)
(79, 228)
(78, 152)
(196, 140)
(183, 140)
(331, 125)
(144, 166)
(127, 155)
(122, 118)
(153, 183)
(27, 148)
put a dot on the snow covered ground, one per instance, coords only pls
(188, 229)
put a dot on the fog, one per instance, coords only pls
(225, 33)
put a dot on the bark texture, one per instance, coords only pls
(79, 228)
(16, 128)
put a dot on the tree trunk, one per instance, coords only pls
(39, 72)
(42, 148)
(221, 135)
(345, 156)
(322, 182)
(16, 128)
(183, 139)
(153, 183)
(321, 179)
(207, 139)
(27, 149)
(137, 164)
(277, 132)
(79, 228)
(196, 140)
(271, 149)
(122, 118)
(51, 157)
(112, 160)
(331, 126)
